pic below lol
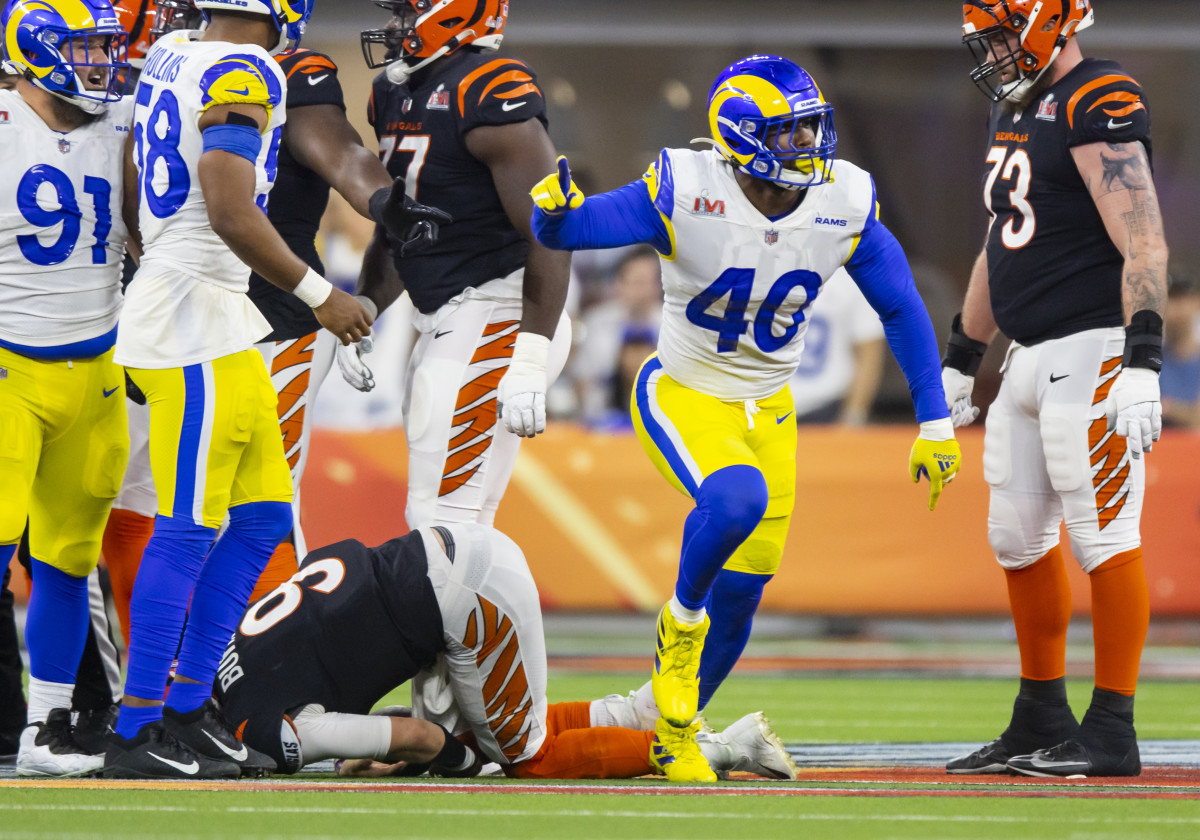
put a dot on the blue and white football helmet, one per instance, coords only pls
(754, 109)
(46, 42)
(290, 16)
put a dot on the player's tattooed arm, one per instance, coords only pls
(1120, 180)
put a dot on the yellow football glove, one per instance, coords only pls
(935, 455)
(557, 193)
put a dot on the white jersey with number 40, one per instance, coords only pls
(187, 303)
(62, 240)
(738, 285)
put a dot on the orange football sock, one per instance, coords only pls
(125, 538)
(280, 567)
(1040, 598)
(1120, 618)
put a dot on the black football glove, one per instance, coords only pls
(413, 225)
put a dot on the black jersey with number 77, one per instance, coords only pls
(1053, 269)
(421, 127)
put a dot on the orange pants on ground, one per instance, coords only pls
(574, 749)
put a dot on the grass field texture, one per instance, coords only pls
(805, 710)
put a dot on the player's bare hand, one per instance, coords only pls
(368, 768)
(344, 316)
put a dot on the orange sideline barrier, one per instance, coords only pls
(602, 529)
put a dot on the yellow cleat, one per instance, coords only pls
(676, 664)
(674, 753)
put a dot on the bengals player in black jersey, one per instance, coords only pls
(1074, 272)
(468, 130)
(454, 610)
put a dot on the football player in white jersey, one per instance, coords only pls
(748, 232)
(207, 125)
(63, 441)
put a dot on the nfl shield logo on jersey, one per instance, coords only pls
(771, 236)
(64, 146)
(3, 373)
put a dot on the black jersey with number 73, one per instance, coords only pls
(1053, 270)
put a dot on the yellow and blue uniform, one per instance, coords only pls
(712, 407)
(63, 437)
(187, 339)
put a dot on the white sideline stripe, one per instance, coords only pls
(633, 815)
(583, 529)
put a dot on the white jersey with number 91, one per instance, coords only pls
(738, 285)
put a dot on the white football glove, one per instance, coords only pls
(958, 387)
(354, 369)
(522, 390)
(1134, 409)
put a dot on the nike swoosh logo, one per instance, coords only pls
(191, 769)
(243, 92)
(108, 392)
(1113, 124)
(1054, 378)
(779, 419)
(440, 334)
(236, 755)
(512, 106)
(316, 80)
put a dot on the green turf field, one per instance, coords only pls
(482, 816)
(804, 710)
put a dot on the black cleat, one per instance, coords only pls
(206, 732)
(94, 726)
(154, 754)
(1040, 719)
(1073, 758)
(989, 759)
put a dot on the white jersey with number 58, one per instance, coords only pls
(187, 303)
(737, 285)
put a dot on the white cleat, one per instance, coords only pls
(49, 749)
(748, 745)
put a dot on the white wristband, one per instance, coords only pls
(530, 352)
(937, 430)
(313, 289)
